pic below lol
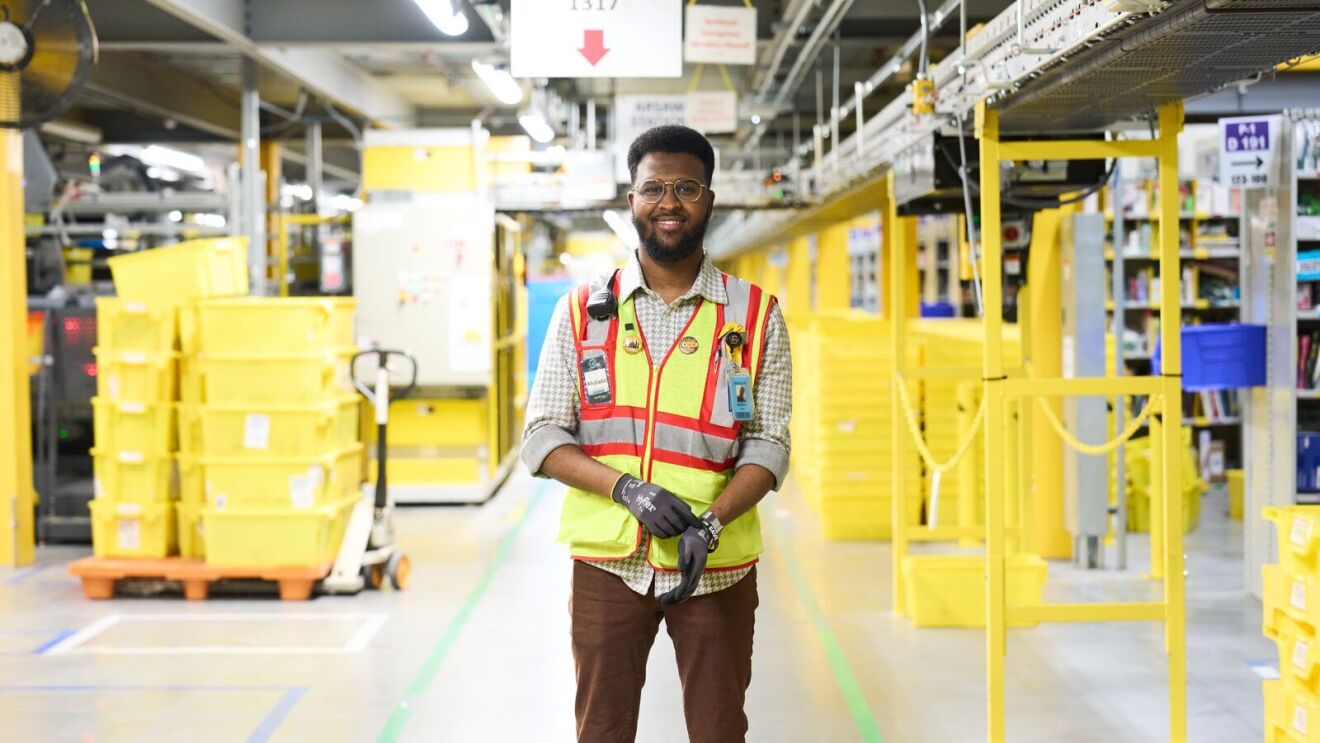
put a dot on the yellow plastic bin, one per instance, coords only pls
(123, 325)
(192, 479)
(133, 477)
(1297, 656)
(279, 430)
(1290, 715)
(196, 269)
(192, 533)
(132, 529)
(276, 537)
(275, 380)
(297, 483)
(949, 590)
(189, 422)
(1237, 485)
(190, 381)
(269, 325)
(133, 426)
(1298, 530)
(136, 376)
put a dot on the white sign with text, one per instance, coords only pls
(720, 35)
(596, 38)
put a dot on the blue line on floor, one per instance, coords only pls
(277, 715)
(22, 575)
(57, 639)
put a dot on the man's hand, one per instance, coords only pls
(660, 511)
(692, 551)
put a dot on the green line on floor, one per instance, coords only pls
(843, 675)
(394, 727)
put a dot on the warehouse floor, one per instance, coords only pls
(478, 650)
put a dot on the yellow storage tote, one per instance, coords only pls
(1290, 715)
(298, 483)
(267, 325)
(192, 535)
(136, 376)
(189, 424)
(190, 381)
(276, 537)
(122, 325)
(196, 269)
(1298, 529)
(275, 380)
(1237, 485)
(132, 477)
(1297, 655)
(949, 590)
(133, 426)
(279, 430)
(192, 480)
(132, 529)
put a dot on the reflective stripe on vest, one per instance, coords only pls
(667, 421)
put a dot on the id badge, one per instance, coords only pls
(740, 394)
(596, 379)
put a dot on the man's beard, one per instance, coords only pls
(688, 244)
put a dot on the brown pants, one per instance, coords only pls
(613, 629)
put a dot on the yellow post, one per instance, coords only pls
(895, 248)
(17, 498)
(1012, 476)
(797, 298)
(276, 247)
(1043, 337)
(833, 287)
(987, 121)
(1175, 626)
(1157, 490)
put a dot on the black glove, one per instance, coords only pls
(693, 547)
(660, 511)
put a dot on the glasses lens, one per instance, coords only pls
(688, 190)
(651, 191)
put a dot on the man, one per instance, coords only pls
(662, 400)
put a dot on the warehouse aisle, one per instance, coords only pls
(478, 650)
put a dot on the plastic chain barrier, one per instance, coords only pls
(914, 431)
(1104, 448)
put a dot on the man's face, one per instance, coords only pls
(671, 229)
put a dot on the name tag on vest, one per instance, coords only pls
(596, 379)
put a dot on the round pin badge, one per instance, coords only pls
(631, 344)
(688, 344)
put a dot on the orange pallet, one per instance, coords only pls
(99, 575)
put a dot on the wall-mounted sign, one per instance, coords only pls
(707, 112)
(714, 112)
(1247, 151)
(596, 38)
(720, 34)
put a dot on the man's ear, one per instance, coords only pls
(631, 196)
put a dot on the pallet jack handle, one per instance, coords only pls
(380, 397)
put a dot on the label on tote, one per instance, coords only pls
(256, 431)
(302, 493)
(1298, 598)
(130, 534)
(1301, 532)
(1299, 719)
(1301, 649)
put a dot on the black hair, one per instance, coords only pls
(674, 139)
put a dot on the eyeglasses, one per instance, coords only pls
(686, 189)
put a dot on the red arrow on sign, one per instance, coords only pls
(593, 46)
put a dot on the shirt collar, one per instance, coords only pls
(709, 283)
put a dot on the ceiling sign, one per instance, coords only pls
(720, 35)
(709, 113)
(596, 38)
(1247, 149)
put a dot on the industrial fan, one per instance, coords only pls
(47, 49)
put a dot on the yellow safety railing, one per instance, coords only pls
(1165, 392)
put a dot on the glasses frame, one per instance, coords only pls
(670, 186)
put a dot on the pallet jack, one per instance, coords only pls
(368, 554)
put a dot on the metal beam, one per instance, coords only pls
(140, 85)
(323, 71)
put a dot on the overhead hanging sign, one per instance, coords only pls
(596, 38)
(720, 35)
(1248, 151)
(707, 112)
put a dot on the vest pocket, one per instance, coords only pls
(591, 524)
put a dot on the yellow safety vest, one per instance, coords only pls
(669, 423)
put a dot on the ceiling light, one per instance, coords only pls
(445, 15)
(537, 127)
(623, 228)
(172, 158)
(756, 119)
(500, 82)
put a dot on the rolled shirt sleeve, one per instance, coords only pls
(764, 440)
(552, 405)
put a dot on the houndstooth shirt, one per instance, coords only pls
(553, 406)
